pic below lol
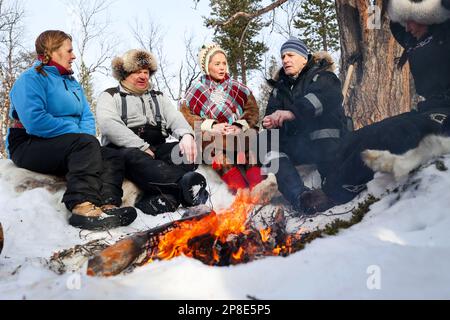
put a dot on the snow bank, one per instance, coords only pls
(401, 250)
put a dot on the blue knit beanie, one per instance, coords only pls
(295, 45)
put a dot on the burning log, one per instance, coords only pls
(227, 238)
(116, 258)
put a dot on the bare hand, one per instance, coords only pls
(277, 119)
(283, 115)
(233, 130)
(269, 122)
(150, 153)
(188, 147)
(220, 128)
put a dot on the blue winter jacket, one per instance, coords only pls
(52, 105)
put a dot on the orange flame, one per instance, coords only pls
(214, 228)
(238, 255)
(220, 226)
(265, 234)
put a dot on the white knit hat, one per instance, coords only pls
(205, 55)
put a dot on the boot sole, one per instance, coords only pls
(121, 219)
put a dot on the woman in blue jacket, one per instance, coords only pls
(53, 132)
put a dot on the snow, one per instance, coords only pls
(401, 250)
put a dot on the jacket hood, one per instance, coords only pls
(422, 11)
(322, 58)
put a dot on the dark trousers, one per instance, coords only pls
(294, 150)
(155, 176)
(93, 173)
(397, 135)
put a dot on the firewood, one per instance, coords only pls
(116, 258)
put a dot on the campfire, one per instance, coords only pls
(238, 234)
(228, 237)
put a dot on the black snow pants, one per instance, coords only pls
(93, 173)
(397, 135)
(157, 175)
(294, 150)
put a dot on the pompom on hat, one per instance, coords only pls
(132, 61)
(205, 55)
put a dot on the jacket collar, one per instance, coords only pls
(62, 71)
(321, 60)
(125, 91)
(52, 69)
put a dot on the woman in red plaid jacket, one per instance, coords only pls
(219, 106)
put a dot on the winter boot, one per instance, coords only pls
(193, 189)
(234, 179)
(90, 217)
(254, 177)
(313, 201)
(158, 204)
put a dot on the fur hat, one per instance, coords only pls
(132, 61)
(205, 55)
(421, 11)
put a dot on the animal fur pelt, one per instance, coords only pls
(23, 180)
(132, 61)
(400, 165)
(421, 11)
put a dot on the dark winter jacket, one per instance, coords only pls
(315, 98)
(429, 62)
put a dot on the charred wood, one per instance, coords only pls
(116, 258)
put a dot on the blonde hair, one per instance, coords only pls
(48, 42)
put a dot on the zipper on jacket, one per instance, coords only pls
(65, 85)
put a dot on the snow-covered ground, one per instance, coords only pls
(400, 250)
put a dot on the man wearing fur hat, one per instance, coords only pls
(137, 120)
(306, 105)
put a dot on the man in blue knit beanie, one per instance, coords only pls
(295, 55)
(306, 107)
